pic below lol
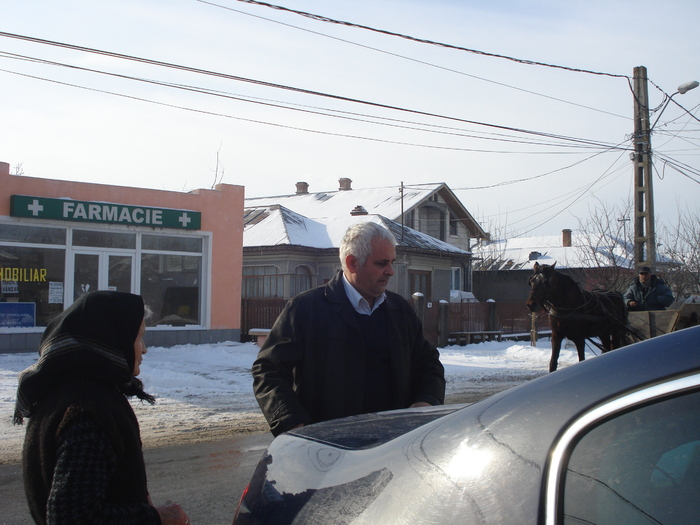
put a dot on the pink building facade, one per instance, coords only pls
(181, 251)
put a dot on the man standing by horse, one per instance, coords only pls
(648, 292)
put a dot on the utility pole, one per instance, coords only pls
(644, 232)
(402, 219)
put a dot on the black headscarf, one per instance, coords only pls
(91, 339)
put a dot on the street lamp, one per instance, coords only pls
(682, 89)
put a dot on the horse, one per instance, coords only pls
(577, 314)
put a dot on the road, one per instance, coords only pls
(205, 478)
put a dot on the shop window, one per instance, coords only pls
(32, 234)
(31, 283)
(171, 243)
(301, 280)
(104, 239)
(171, 287)
(262, 282)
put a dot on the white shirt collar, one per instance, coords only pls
(358, 302)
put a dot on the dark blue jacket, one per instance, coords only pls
(656, 296)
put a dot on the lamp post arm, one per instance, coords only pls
(668, 101)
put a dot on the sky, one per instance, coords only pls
(529, 149)
(211, 387)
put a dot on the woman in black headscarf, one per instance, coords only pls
(82, 457)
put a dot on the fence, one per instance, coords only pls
(510, 317)
(259, 313)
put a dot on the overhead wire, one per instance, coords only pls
(293, 89)
(322, 18)
(573, 140)
(282, 106)
(326, 19)
(255, 121)
(404, 57)
(585, 190)
(440, 44)
(538, 176)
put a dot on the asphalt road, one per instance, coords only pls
(207, 479)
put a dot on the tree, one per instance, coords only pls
(680, 247)
(607, 247)
(218, 170)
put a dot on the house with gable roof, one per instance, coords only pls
(290, 242)
(503, 267)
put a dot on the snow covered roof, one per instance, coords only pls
(276, 225)
(384, 201)
(522, 253)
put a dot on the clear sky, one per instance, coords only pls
(73, 124)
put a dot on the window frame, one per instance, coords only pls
(555, 474)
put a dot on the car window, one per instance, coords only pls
(640, 467)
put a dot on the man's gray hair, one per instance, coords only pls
(357, 241)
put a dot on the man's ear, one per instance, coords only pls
(351, 263)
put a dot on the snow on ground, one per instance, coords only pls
(205, 391)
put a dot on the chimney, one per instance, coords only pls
(302, 188)
(358, 210)
(345, 184)
(566, 238)
(4, 168)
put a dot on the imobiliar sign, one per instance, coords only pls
(103, 212)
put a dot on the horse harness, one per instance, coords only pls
(578, 313)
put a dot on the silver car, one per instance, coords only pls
(614, 440)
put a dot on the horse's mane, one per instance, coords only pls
(567, 278)
(560, 275)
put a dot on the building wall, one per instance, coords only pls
(221, 214)
(513, 285)
(413, 219)
(501, 285)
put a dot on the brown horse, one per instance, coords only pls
(577, 314)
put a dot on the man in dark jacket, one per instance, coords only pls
(348, 347)
(648, 292)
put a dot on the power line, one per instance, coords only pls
(404, 57)
(293, 89)
(534, 177)
(275, 104)
(586, 189)
(256, 121)
(426, 41)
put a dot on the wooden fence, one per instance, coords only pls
(510, 317)
(259, 313)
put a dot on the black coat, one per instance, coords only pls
(104, 405)
(312, 365)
